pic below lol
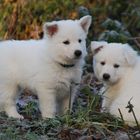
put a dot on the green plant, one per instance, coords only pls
(114, 32)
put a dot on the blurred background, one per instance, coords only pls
(113, 20)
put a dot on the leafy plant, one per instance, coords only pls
(114, 32)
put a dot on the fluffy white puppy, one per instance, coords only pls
(47, 66)
(118, 67)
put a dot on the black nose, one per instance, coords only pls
(78, 53)
(106, 76)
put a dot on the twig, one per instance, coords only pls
(124, 123)
(134, 38)
(121, 115)
(130, 107)
(137, 43)
(70, 94)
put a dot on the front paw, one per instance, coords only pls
(17, 116)
(12, 112)
(104, 109)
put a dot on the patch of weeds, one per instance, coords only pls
(28, 106)
(85, 120)
(9, 134)
(87, 116)
(31, 136)
(26, 129)
(30, 110)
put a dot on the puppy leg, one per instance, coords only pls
(106, 104)
(65, 105)
(47, 101)
(74, 90)
(9, 97)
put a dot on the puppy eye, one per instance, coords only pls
(67, 42)
(79, 40)
(102, 63)
(116, 66)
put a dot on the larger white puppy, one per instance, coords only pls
(118, 67)
(47, 66)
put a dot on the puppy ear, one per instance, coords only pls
(50, 29)
(85, 23)
(130, 55)
(97, 46)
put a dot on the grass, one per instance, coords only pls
(52, 128)
(85, 120)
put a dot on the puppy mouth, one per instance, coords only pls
(66, 65)
(109, 82)
(73, 60)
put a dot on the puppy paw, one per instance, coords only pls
(11, 112)
(17, 116)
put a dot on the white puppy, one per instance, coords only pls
(47, 66)
(118, 67)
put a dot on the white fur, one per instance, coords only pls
(124, 82)
(35, 64)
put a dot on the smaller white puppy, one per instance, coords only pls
(118, 67)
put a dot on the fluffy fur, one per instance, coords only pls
(118, 66)
(47, 66)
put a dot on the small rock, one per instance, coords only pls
(138, 136)
(121, 136)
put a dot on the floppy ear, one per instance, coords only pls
(50, 29)
(96, 46)
(85, 23)
(130, 55)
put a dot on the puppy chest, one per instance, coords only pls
(63, 87)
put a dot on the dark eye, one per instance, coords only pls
(79, 40)
(102, 63)
(116, 65)
(67, 42)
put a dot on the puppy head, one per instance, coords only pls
(67, 39)
(112, 60)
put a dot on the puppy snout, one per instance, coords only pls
(77, 53)
(106, 76)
